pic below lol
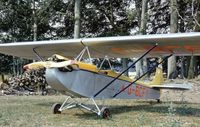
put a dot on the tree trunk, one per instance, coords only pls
(195, 66)
(143, 22)
(124, 60)
(144, 68)
(138, 10)
(2, 78)
(172, 67)
(138, 69)
(77, 19)
(173, 17)
(13, 67)
(191, 68)
(187, 65)
(183, 68)
(192, 72)
(35, 33)
(173, 29)
(125, 65)
(34, 22)
(143, 17)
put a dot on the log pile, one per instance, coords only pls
(29, 83)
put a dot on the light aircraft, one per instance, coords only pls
(73, 77)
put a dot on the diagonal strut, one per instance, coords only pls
(125, 70)
(142, 75)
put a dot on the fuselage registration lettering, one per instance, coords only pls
(137, 90)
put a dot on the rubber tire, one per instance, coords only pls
(55, 108)
(158, 100)
(105, 113)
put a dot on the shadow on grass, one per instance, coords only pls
(155, 102)
(163, 108)
(46, 104)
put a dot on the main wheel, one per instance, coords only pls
(55, 108)
(105, 113)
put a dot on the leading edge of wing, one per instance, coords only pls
(171, 38)
(119, 46)
(130, 46)
(70, 48)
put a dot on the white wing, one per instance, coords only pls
(122, 46)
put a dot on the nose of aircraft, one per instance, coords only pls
(25, 67)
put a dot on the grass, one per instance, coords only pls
(35, 111)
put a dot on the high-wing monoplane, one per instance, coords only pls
(73, 77)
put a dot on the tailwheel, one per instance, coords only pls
(55, 108)
(105, 113)
(158, 101)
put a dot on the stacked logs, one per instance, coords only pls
(28, 83)
(31, 82)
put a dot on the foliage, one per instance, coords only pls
(105, 18)
(159, 17)
(55, 19)
(5, 63)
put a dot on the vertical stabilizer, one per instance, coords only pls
(158, 79)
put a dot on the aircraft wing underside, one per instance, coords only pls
(122, 46)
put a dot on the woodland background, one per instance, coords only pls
(30, 20)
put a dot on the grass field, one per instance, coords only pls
(35, 111)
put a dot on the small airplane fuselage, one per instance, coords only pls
(85, 83)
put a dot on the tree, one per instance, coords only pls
(196, 27)
(143, 19)
(6, 62)
(159, 17)
(77, 18)
(34, 22)
(125, 65)
(105, 18)
(172, 73)
(141, 66)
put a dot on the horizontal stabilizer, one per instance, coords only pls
(178, 86)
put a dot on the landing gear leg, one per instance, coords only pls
(72, 103)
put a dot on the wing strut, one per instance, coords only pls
(125, 70)
(40, 58)
(105, 59)
(143, 75)
(80, 56)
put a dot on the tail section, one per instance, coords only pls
(158, 82)
(158, 79)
